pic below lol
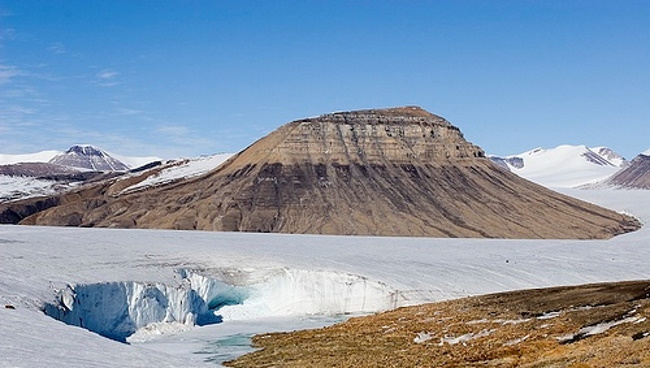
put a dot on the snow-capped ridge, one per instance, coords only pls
(610, 155)
(182, 169)
(565, 165)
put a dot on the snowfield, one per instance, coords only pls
(43, 156)
(567, 166)
(185, 169)
(153, 287)
(19, 187)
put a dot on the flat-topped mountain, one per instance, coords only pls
(394, 172)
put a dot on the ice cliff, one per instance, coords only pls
(118, 309)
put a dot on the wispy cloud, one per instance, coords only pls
(184, 139)
(57, 48)
(107, 74)
(122, 111)
(174, 131)
(107, 78)
(17, 109)
(8, 72)
(7, 34)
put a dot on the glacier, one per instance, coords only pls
(117, 310)
(265, 282)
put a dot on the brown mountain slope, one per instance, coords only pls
(401, 172)
(589, 326)
(636, 175)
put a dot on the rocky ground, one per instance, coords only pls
(603, 325)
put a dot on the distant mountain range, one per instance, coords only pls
(83, 157)
(392, 172)
(52, 172)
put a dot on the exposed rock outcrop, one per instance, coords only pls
(635, 175)
(395, 172)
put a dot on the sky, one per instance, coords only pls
(187, 78)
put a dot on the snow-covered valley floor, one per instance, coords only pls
(142, 280)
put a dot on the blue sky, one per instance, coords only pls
(184, 78)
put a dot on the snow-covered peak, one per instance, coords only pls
(646, 152)
(89, 158)
(534, 151)
(610, 155)
(86, 150)
(564, 165)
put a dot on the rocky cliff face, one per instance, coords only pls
(635, 175)
(397, 172)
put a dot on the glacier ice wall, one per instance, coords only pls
(310, 292)
(118, 309)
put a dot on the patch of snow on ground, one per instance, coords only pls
(516, 341)
(595, 329)
(464, 338)
(500, 321)
(549, 315)
(422, 337)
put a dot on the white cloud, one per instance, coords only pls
(57, 48)
(121, 111)
(17, 109)
(107, 74)
(109, 84)
(107, 78)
